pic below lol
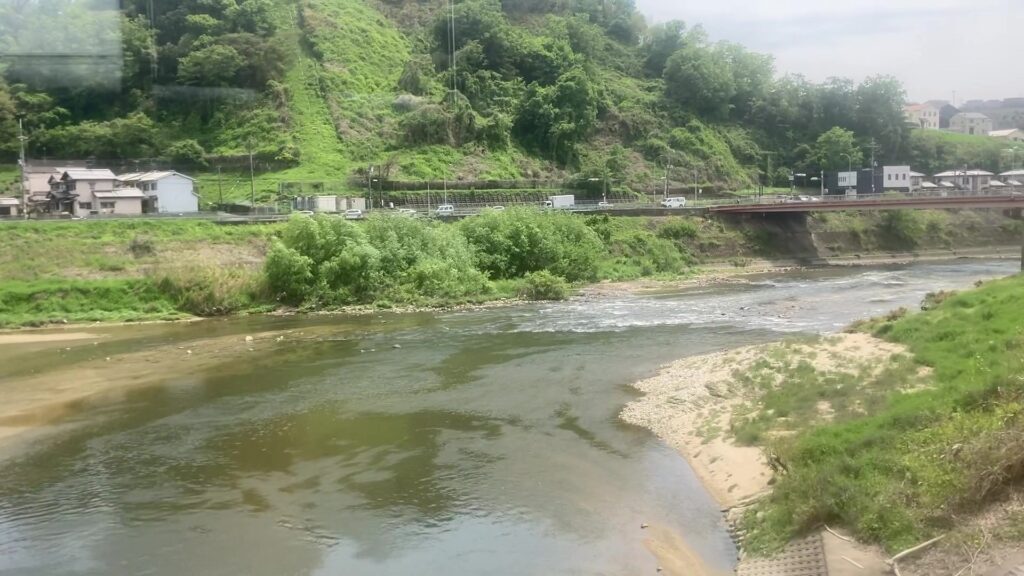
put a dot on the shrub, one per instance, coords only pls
(207, 289)
(515, 242)
(142, 246)
(288, 274)
(187, 152)
(678, 229)
(544, 285)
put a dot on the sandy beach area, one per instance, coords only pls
(690, 403)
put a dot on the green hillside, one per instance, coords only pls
(321, 90)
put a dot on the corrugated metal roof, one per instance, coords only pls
(121, 193)
(10, 202)
(151, 176)
(89, 174)
(951, 173)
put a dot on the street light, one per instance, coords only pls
(850, 160)
(604, 187)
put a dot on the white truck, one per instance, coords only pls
(565, 202)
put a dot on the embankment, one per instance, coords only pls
(136, 270)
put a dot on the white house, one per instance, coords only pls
(924, 116)
(971, 123)
(10, 206)
(1014, 178)
(897, 178)
(166, 191)
(970, 180)
(1013, 134)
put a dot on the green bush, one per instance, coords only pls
(678, 229)
(544, 285)
(513, 243)
(187, 152)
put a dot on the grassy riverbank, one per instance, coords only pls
(904, 428)
(130, 270)
(927, 440)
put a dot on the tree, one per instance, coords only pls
(554, 120)
(837, 150)
(659, 44)
(700, 80)
(752, 75)
(879, 101)
(216, 65)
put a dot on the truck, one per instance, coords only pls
(565, 202)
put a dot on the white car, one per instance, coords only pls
(353, 214)
(673, 203)
(307, 213)
(408, 212)
(445, 210)
(605, 205)
(498, 208)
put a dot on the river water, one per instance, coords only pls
(478, 442)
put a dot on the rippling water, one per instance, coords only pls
(487, 443)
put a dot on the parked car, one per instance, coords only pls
(673, 202)
(605, 205)
(308, 213)
(408, 212)
(353, 214)
(498, 208)
(445, 210)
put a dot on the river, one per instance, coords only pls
(475, 442)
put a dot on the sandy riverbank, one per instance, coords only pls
(690, 405)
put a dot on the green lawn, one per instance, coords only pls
(920, 460)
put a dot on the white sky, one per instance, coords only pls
(973, 47)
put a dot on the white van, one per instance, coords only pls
(673, 203)
(445, 210)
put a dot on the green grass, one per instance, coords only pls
(8, 179)
(103, 248)
(907, 470)
(36, 303)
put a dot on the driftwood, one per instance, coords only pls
(836, 534)
(892, 562)
(852, 562)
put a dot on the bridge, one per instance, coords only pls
(817, 204)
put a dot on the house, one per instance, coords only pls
(946, 112)
(971, 123)
(925, 116)
(1012, 135)
(897, 178)
(1013, 178)
(166, 191)
(916, 180)
(122, 201)
(10, 207)
(73, 191)
(969, 180)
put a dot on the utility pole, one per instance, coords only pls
(873, 167)
(694, 187)
(822, 184)
(21, 166)
(668, 171)
(220, 191)
(252, 181)
(768, 174)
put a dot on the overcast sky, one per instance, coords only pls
(975, 47)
